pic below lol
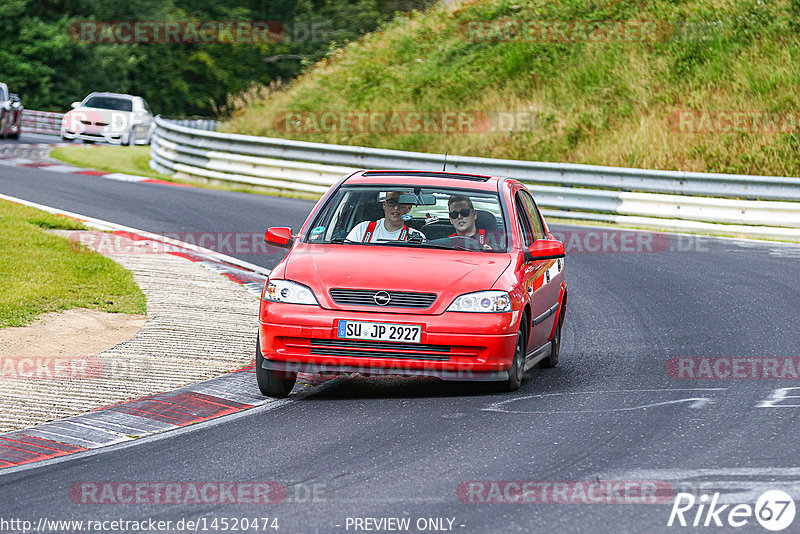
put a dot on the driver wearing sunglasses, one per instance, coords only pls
(463, 216)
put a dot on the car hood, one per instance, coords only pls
(117, 120)
(446, 273)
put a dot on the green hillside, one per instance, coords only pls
(699, 85)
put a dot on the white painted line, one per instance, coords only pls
(62, 438)
(124, 177)
(115, 437)
(734, 484)
(780, 395)
(64, 169)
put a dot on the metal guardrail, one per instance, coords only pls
(752, 206)
(41, 122)
(198, 123)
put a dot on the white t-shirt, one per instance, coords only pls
(379, 234)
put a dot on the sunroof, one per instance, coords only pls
(430, 174)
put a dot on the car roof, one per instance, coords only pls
(116, 95)
(456, 180)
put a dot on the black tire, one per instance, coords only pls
(276, 384)
(552, 360)
(517, 369)
(15, 135)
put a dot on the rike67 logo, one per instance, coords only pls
(774, 510)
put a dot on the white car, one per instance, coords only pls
(109, 117)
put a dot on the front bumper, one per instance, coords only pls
(114, 138)
(453, 345)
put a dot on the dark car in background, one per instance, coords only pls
(10, 113)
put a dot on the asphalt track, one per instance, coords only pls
(407, 448)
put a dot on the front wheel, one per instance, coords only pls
(272, 383)
(555, 345)
(517, 369)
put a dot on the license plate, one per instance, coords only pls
(404, 333)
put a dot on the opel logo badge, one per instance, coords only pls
(382, 298)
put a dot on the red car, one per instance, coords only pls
(409, 273)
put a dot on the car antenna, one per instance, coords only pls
(445, 161)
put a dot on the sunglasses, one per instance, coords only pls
(393, 202)
(464, 212)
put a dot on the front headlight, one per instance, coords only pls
(482, 302)
(288, 292)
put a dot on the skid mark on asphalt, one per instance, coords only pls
(618, 400)
(734, 484)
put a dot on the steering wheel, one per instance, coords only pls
(460, 242)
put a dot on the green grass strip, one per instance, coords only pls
(42, 272)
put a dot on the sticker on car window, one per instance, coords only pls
(316, 232)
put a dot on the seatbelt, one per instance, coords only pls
(371, 230)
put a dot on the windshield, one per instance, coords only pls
(109, 102)
(408, 216)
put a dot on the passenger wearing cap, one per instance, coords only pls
(463, 216)
(391, 227)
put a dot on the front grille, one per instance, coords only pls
(399, 299)
(357, 344)
(362, 349)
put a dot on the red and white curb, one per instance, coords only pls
(223, 395)
(70, 169)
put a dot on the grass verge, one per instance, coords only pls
(43, 272)
(713, 89)
(124, 159)
(134, 160)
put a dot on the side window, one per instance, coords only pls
(533, 213)
(525, 225)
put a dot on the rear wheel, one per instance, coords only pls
(272, 383)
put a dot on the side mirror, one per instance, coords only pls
(74, 105)
(279, 236)
(544, 249)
